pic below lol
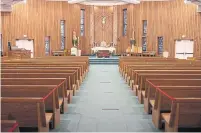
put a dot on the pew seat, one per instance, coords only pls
(9, 126)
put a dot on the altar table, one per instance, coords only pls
(96, 49)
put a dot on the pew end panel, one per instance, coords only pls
(29, 112)
(185, 113)
(164, 101)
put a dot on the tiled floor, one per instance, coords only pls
(105, 104)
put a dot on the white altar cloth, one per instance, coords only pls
(111, 49)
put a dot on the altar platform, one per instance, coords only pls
(113, 60)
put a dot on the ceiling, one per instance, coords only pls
(104, 2)
(6, 5)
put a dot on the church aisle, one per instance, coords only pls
(105, 104)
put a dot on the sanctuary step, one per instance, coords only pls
(112, 60)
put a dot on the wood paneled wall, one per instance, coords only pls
(168, 19)
(39, 18)
(103, 32)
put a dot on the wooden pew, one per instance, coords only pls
(135, 77)
(43, 90)
(151, 84)
(185, 112)
(9, 126)
(158, 62)
(187, 88)
(54, 102)
(69, 87)
(68, 67)
(14, 66)
(141, 81)
(73, 74)
(76, 72)
(129, 74)
(164, 104)
(46, 63)
(29, 112)
(75, 68)
(127, 65)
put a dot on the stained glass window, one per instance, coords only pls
(160, 45)
(1, 48)
(47, 45)
(144, 27)
(82, 22)
(144, 35)
(144, 44)
(62, 34)
(124, 22)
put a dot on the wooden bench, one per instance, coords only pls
(72, 74)
(135, 77)
(74, 68)
(159, 67)
(54, 102)
(75, 79)
(47, 63)
(129, 72)
(164, 105)
(141, 82)
(29, 112)
(69, 87)
(82, 72)
(19, 73)
(185, 112)
(131, 76)
(9, 126)
(126, 65)
(177, 89)
(149, 93)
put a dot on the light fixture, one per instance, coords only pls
(75, 1)
(132, 1)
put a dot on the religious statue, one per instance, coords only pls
(75, 39)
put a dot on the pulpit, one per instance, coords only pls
(19, 54)
(74, 51)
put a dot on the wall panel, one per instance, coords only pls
(39, 18)
(103, 32)
(168, 19)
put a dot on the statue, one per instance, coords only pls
(75, 39)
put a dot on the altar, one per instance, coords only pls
(96, 49)
(103, 47)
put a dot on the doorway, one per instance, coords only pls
(184, 49)
(27, 44)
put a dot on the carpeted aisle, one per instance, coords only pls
(105, 104)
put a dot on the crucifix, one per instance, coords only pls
(103, 19)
